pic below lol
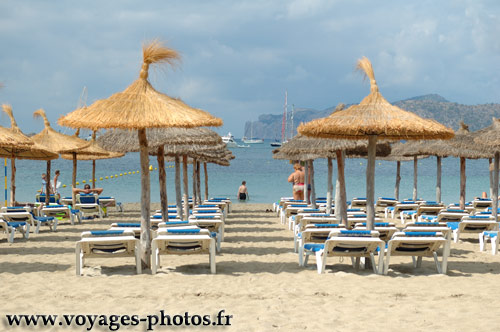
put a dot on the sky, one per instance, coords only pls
(239, 57)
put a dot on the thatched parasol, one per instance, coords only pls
(139, 107)
(55, 142)
(461, 146)
(488, 141)
(374, 118)
(26, 149)
(92, 152)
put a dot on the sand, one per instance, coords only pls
(258, 282)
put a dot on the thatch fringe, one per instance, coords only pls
(41, 114)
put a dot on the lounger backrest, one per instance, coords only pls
(353, 233)
(86, 198)
(112, 233)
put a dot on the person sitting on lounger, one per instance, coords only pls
(87, 190)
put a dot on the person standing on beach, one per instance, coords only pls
(56, 178)
(243, 192)
(297, 178)
(44, 185)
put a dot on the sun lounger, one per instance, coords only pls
(481, 204)
(358, 218)
(61, 212)
(106, 202)
(348, 243)
(385, 229)
(183, 242)
(472, 224)
(415, 244)
(35, 222)
(10, 229)
(213, 224)
(402, 206)
(468, 206)
(107, 244)
(450, 215)
(40, 199)
(313, 233)
(88, 205)
(358, 203)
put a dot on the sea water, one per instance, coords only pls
(266, 177)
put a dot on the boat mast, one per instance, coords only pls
(291, 118)
(283, 124)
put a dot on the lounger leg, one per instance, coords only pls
(79, 260)
(455, 235)
(494, 244)
(356, 265)
(27, 231)
(380, 269)
(56, 222)
(212, 256)
(374, 266)
(446, 254)
(436, 260)
(301, 254)
(154, 258)
(419, 262)
(11, 235)
(320, 261)
(37, 229)
(481, 241)
(387, 258)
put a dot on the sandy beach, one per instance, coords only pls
(258, 282)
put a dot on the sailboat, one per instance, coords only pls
(252, 140)
(277, 143)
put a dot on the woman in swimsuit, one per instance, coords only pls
(297, 178)
(243, 192)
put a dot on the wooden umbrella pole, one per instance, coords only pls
(306, 182)
(162, 179)
(342, 201)
(178, 190)
(12, 182)
(462, 183)
(186, 189)
(198, 180)
(93, 174)
(494, 197)
(193, 180)
(438, 180)
(206, 180)
(47, 185)
(73, 180)
(370, 182)
(145, 201)
(492, 181)
(313, 188)
(398, 180)
(415, 174)
(329, 187)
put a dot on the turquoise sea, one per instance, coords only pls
(266, 178)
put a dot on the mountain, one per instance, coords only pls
(431, 106)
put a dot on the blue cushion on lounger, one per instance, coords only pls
(207, 211)
(56, 206)
(484, 199)
(326, 225)
(104, 233)
(310, 210)
(490, 233)
(409, 212)
(455, 210)
(171, 223)
(358, 216)
(297, 205)
(157, 216)
(44, 219)
(390, 208)
(360, 198)
(105, 197)
(16, 224)
(75, 211)
(420, 233)
(355, 232)
(408, 202)
(479, 217)
(204, 217)
(126, 224)
(183, 231)
(388, 198)
(320, 215)
(378, 224)
(453, 224)
(428, 217)
(207, 205)
(353, 210)
(314, 247)
(426, 223)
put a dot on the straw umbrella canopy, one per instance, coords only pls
(162, 141)
(139, 107)
(25, 149)
(488, 141)
(461, 146)
(55, 142)
(372, 119)
(92, 152)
